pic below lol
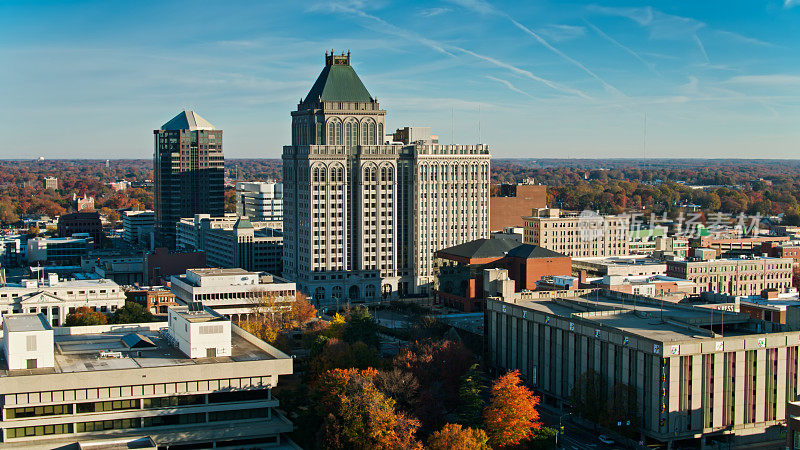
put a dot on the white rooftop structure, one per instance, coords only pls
(188, 120)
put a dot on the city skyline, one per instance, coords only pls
(542, 80)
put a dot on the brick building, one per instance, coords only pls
(513, 202)
(459, 269)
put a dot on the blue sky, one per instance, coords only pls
(714, 79)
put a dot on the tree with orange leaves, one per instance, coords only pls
(455, 437)
(356, 415)
(511, 416)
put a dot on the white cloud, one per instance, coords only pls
(791, 3)
(508, 84)
(526, 73)
(433, 12)
(561, 33)
(767, 80)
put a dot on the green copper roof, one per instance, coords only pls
(242, 222)
(338, 83)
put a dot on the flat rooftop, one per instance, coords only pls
(620, 260)
(43, 284)
(212, 271)
(81, 353)
(25, 322)
(650, 319)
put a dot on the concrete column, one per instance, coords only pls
(781, 387)
(719, 388)
(697, 392)
(739, 394)
(761, 383)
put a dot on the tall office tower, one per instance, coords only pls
(362, 219)
(189, 173)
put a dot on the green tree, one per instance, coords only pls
(132, 312)
(361, 326)
(589, 396)
(471, 400)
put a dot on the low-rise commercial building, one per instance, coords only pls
(195, 380)
(231, 241)
(737, 245)
(234, 293)
(628, 266)
(156, 299)
(579, 235)
(58, 250)
(698, 374)
(649, 241)
(660, 286)
(56, 298)
(125, 270)
(741, 276)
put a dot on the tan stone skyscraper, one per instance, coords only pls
(362, 218)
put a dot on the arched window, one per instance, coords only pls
(322, 175)
(337, 293)
(364, 137)
(366, 175)
(372, 132)
(373, 174)
(338, 133)
(380, 131)
(383, 173)
(331, 133)
(369, 291)
(390, 173)
(348, 132)
(316, 174)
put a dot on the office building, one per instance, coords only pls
(514, 201)
(460, 269)
(736, 244)
(189, 173)
(13, 250)
(195, 381)
(360, 218)
(55, 298)
(138, 228)
(626, 266)
(700, 375)
(653, 240)
(58, 251)
(232, 241)
(579, 235)
(260, 201)
(51, 183)
(81, 222)
(125, 270)
(741, 276)
(161, 265)
(234, 293)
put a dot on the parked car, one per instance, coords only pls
(605, 439)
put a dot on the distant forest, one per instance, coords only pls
(765, 187)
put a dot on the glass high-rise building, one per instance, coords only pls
(188, 167)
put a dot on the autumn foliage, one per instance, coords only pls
(511, 416)
(84, 316)
(455, 437)
(358, 416)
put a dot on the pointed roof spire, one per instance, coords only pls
(188, 120)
